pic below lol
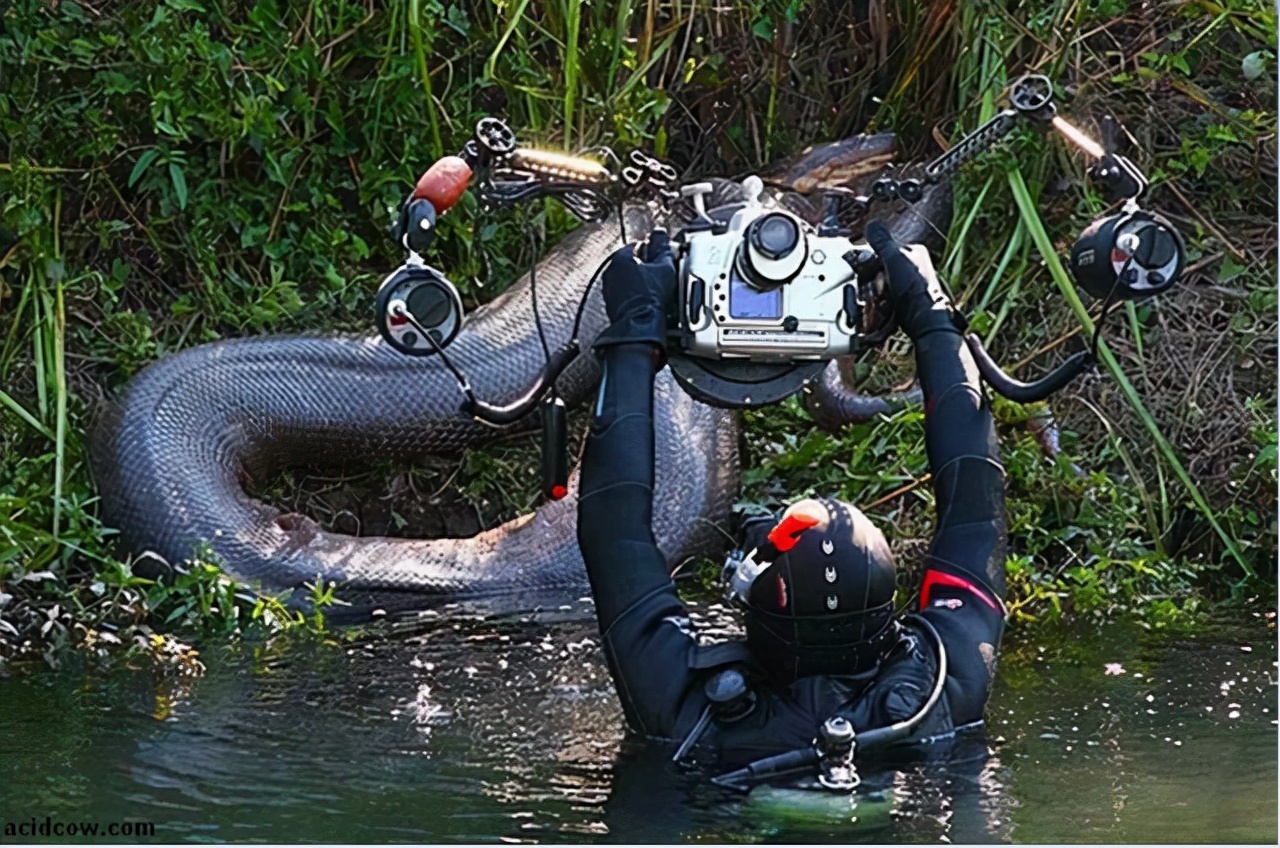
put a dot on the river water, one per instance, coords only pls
(479, 731)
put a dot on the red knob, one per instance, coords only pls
(444, 182)
(787, 533)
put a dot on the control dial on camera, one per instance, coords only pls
(414, 302)
(773, 251)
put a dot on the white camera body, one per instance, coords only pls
(767, 288)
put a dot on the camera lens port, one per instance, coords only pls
(774, 236)
(774, 250)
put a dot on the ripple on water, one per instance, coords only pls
(479, 731)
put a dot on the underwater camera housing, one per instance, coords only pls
(766, 299)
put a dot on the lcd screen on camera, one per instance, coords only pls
(746, 301)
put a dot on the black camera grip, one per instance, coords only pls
(555, 451)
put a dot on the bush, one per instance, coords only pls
(181, 171)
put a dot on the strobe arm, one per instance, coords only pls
(509, 413)
(1018, 391)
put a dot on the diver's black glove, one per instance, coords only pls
(639, 292)
(919, 303)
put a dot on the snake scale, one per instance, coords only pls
(173, 454)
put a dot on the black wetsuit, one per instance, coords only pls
(658, 668)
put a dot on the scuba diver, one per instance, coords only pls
(827, 664)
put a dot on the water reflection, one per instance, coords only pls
(471, 731)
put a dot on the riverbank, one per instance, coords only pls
(180, 172)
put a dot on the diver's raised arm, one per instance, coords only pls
(646, 638)
(963, 587)
(615, 504)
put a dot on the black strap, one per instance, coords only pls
(704, 657)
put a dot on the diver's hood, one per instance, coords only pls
(817, 588)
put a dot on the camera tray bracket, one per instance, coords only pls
(740, 383)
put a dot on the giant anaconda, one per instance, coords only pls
(173, 456)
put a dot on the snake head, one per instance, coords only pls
(837, 164)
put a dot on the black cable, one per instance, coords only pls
(900, 730)
(533, 296)
(463, 383)
(1107, 304)
(1074, 365)
(586, 293)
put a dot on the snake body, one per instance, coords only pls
(172, 456)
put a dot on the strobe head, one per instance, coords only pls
(1127, 256)
(416, 300)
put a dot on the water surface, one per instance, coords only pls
(479, 732)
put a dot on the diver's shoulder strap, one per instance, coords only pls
(720, 654)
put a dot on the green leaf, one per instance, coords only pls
(763, 28)
(117, 83)
(1221, 132)
(1257, 63)
(980, 322)
(253, 235)
(83, 48)
(179, 184)
(144, 162)
(55, 269)
(457, 20)
(1230, 270)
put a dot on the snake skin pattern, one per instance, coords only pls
(173, 456)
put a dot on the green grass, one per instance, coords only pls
(176, 172)
(1121, 552)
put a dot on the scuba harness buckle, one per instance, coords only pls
(836, 770)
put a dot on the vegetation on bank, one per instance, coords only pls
(180, 171)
